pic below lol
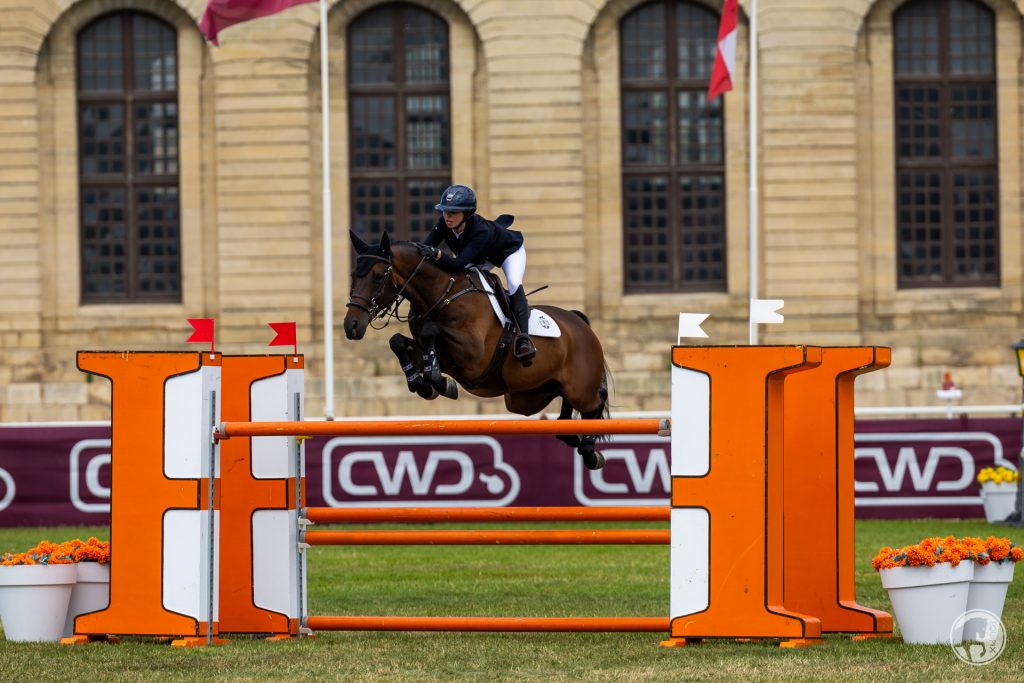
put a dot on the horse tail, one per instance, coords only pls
(606, 377)
(582, 315)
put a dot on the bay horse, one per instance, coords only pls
(456, 333)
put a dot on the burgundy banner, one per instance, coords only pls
(904, 468)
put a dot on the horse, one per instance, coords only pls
(458, 340)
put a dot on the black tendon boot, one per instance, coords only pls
(523, 347)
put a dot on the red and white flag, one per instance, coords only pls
(220, 14)
(725, 55)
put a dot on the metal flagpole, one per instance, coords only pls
(326, 220)
(752, 172)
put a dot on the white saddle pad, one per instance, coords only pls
(541, 324)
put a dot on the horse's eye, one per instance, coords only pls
(377, 277)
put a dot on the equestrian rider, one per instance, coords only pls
(477, 241)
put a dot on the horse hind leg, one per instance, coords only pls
(570, 440)
(592, 459)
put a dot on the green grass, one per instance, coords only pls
(517, 581)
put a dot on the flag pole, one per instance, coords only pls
(752, 172)
(326, 220)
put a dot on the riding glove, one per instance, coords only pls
(427, 251)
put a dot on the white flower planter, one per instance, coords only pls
(34, 600)
(1000, 500)
(926, 601)
(91, 593)
(988, 592)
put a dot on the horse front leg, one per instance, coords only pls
(404, 348)
(445, 386)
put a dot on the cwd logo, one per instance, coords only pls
(7, 488)
(90, 475)
(636, 472)
(922, 468)
(459, 471)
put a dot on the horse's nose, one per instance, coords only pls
(352, 329)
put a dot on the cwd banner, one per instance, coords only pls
(60, 474)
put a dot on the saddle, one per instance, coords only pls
(500, 295)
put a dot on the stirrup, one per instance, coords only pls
(528, 351)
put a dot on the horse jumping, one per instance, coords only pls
(456, 333)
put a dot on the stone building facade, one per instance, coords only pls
(537, 93)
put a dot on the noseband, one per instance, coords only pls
(371, 304)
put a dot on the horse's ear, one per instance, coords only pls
(361, 246)
(385, 242)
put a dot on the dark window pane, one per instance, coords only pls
(647, 230)
(916, 38)
(427, 131)
(971, 39)
(101, 131)
(426, 47)
(101, 56)
(423, 195)
(646, 128)
(103, 237)
(156, 138)
(157, 221)
(700, 128)
(672, 147)
(371, 47)
(400, 120)
(695, 52)
(130, 227)
(373, 209)
(154, 55)
(945, 91)
(643, 43)
(373, 132)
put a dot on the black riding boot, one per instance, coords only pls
(523, 347)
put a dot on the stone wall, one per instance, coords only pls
(535, 111)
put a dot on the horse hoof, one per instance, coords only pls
(592, 460)
(451, 389)
(427, 392)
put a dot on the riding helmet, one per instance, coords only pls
(457, 198)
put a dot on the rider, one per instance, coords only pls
(478, 241)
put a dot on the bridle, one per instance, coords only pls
(376, 311)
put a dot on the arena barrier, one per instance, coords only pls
(747, 424)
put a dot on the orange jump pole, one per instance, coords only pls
(511, 624)
(509, 514)
(444, 427)
(499, 537)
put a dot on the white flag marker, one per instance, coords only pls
(766, 310)
(689, 325)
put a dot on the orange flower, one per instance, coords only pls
(927, 553)
(61, 553)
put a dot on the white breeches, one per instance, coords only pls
(514, 267)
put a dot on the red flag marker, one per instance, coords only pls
(725, 56)
(220, 14)
(285, 336)
(203, 331)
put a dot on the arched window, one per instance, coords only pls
(673, 170)
(128, 160)
(947, 176)
(399, 120)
